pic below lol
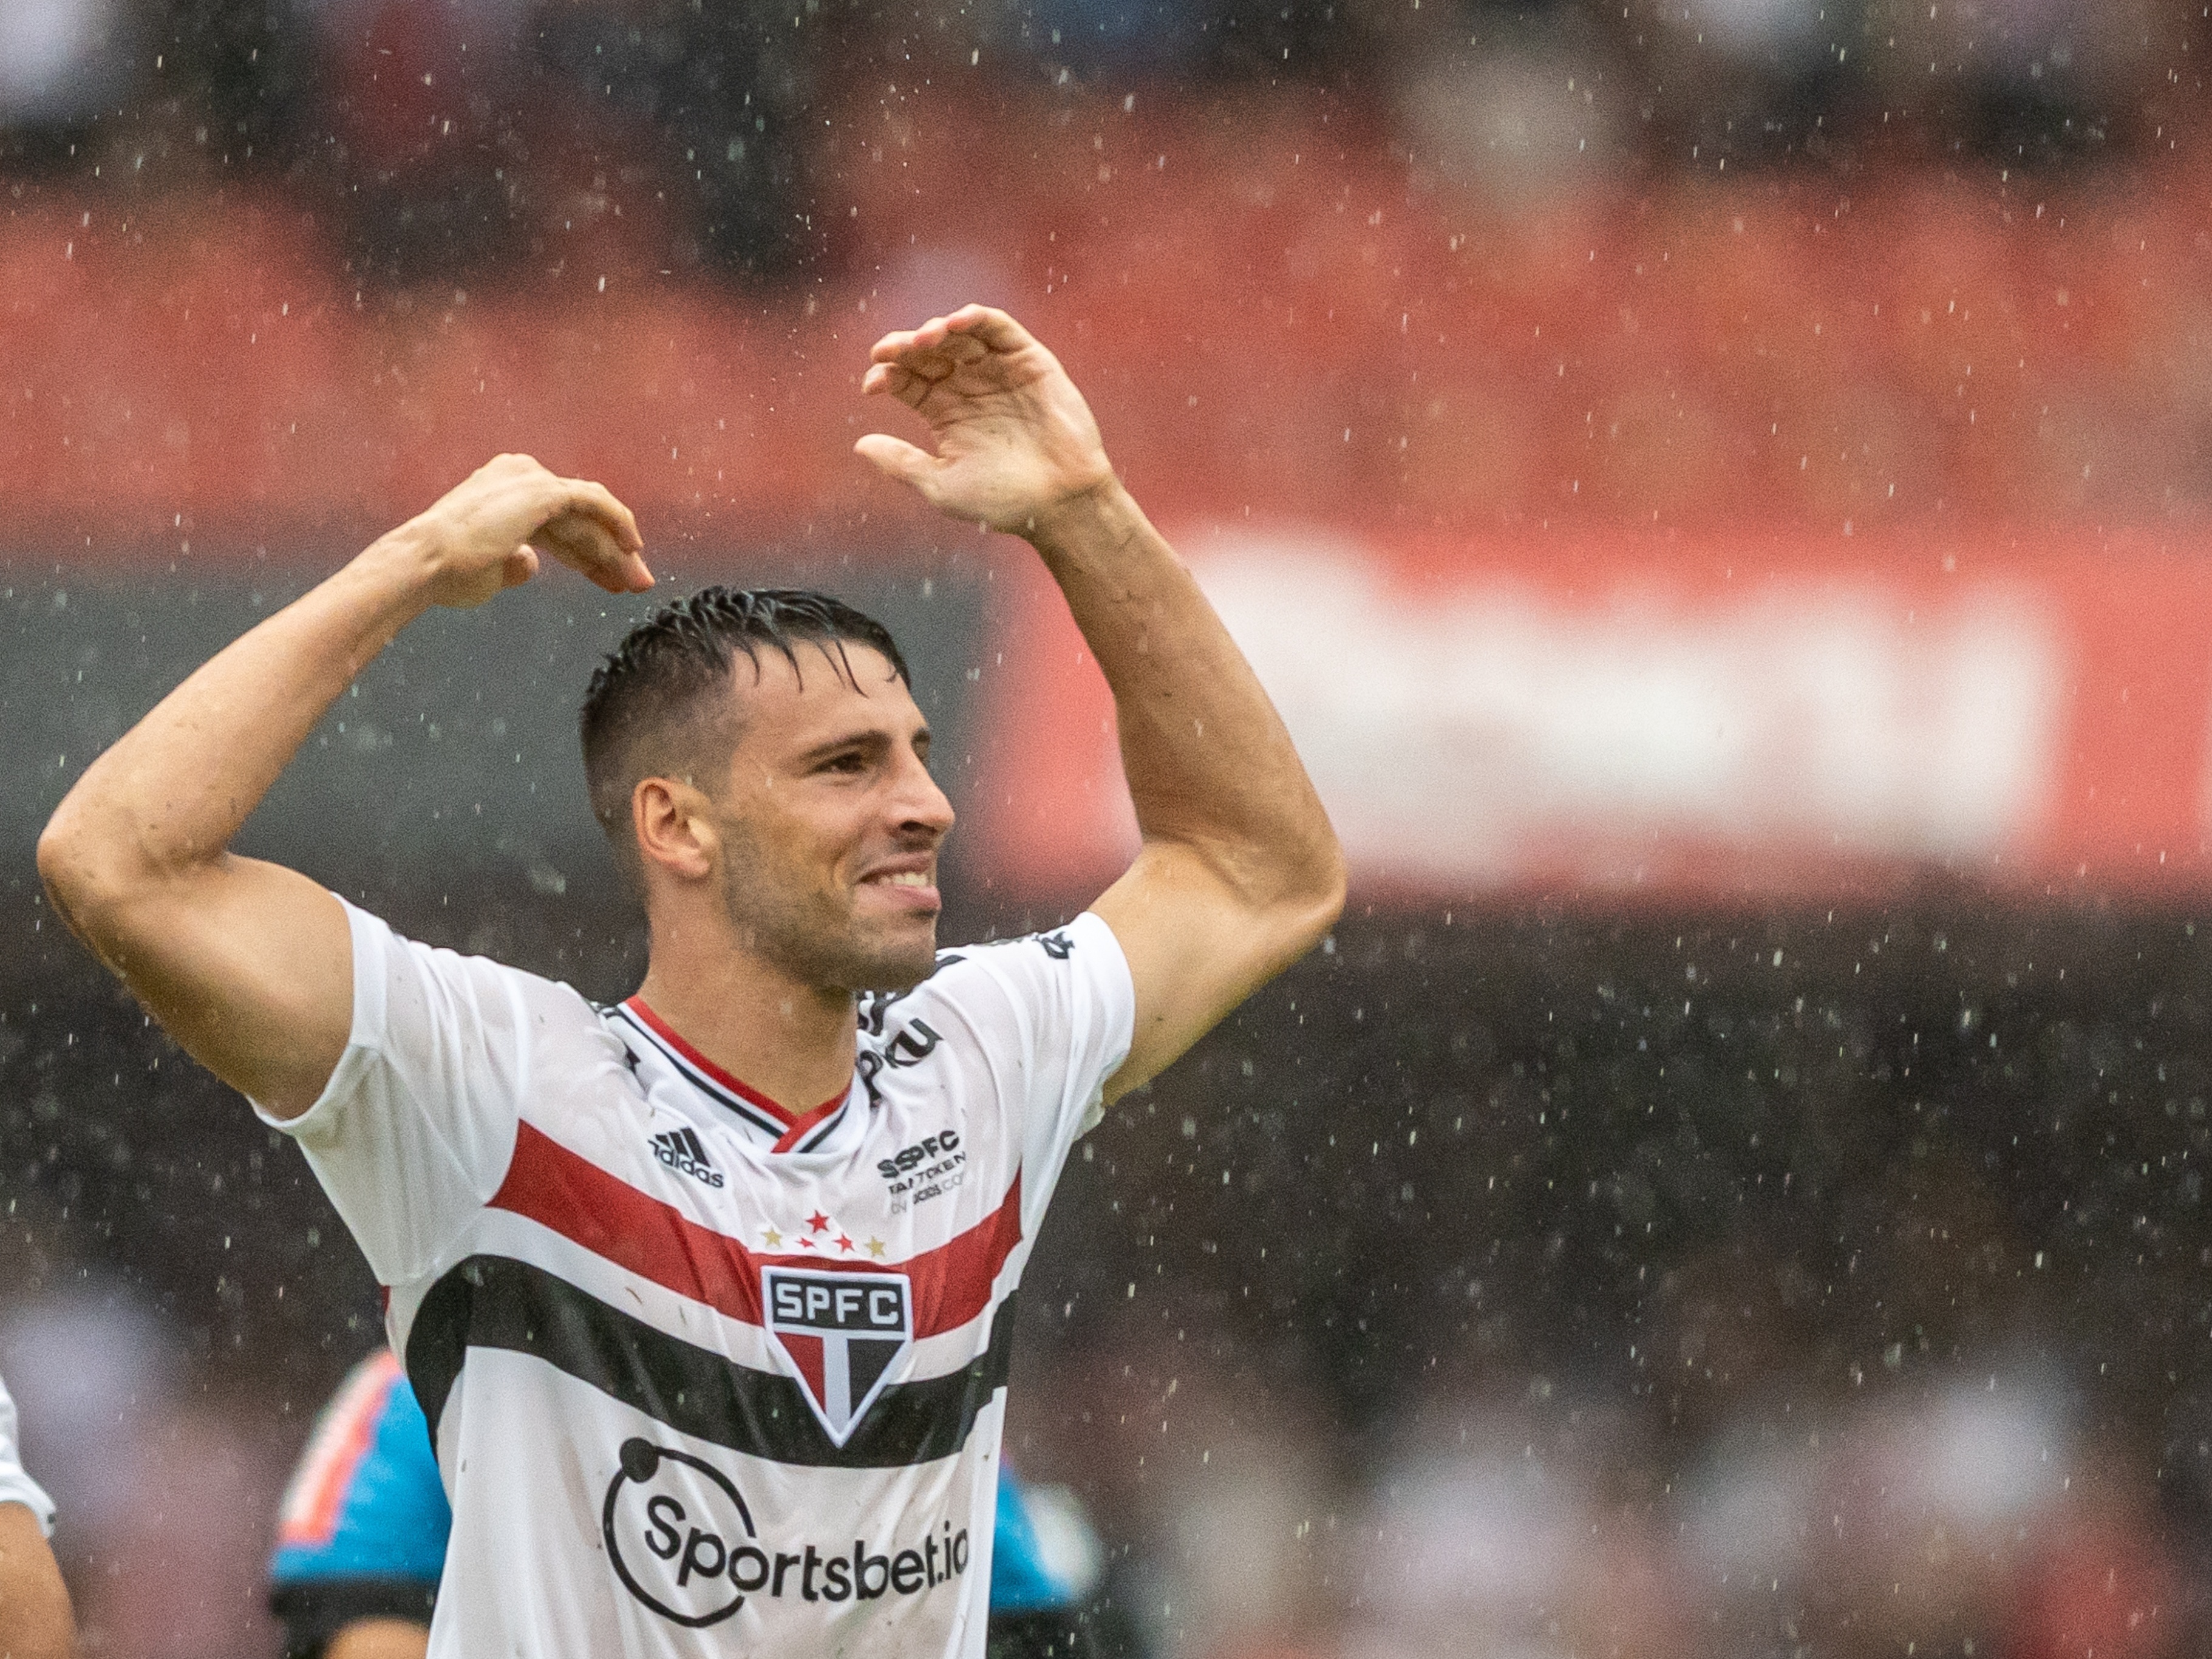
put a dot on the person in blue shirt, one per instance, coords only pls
(361, 1541)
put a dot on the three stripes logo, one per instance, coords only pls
(681, 1149)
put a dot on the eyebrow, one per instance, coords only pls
(873, 739)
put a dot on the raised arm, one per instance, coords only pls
(246, 963)
(1240, 873)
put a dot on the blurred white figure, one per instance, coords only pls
(1232, 1564)
(203, 1487)
(1747, 1513)
(91, 1369)
(1784, 34)
(1940, 1506)
(164, 1505)
(1523, 122)
(1471, 1552)
(60, 60)
(1068, 1550)
(1906, 1521)
(1989, 1455)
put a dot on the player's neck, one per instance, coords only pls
(791, 1042)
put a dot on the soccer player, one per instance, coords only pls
(361, 1542)
(706, 1296)
(35, 1606)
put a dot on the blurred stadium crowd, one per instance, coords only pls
(1528, 1276)
(463, 139)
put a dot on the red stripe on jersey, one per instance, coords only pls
(570, 1196)
(311, 1511)
(794, 1121)
(802, 1128)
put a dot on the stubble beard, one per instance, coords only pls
(809, 935)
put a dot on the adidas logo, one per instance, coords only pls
(680, 1150)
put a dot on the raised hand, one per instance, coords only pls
(488, 532)
(1014, 437)
(248, 964)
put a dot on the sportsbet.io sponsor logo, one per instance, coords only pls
(682, 1542)
(672, 1523)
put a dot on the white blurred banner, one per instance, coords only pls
(1729, 719)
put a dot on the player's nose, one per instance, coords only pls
(920, 806)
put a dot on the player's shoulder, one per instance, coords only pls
(485, 981)
(977, 978)
(986, 997)
(1084, 938)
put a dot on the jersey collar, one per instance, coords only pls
(775, 1127)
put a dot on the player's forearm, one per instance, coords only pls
(172, 792)
(1208, 761)
(34, 1608)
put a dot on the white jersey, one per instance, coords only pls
(15, 1486)
(706, 1376)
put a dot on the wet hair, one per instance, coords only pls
(662, 695)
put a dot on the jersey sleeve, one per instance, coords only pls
(15, 1485)
(416, 1125)
(363, 1528)
(1056, 1012)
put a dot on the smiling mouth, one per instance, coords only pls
(901, 878)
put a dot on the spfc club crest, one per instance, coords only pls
(841, 1333)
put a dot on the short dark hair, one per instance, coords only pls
(647, 700)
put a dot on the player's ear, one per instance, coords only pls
(675, 831)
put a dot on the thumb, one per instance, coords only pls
(899, 460)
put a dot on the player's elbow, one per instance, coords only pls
(1297, 889)
(87, 874)
(1298, 872)
(64, 868)
(1316, 893)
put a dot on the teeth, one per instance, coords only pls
(908, 879)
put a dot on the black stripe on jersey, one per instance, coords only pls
(829, 1128)
(737, 1105)
(495, 1302)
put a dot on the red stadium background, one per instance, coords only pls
(1798, 461)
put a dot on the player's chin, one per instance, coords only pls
(896, 915)
(898, 958)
